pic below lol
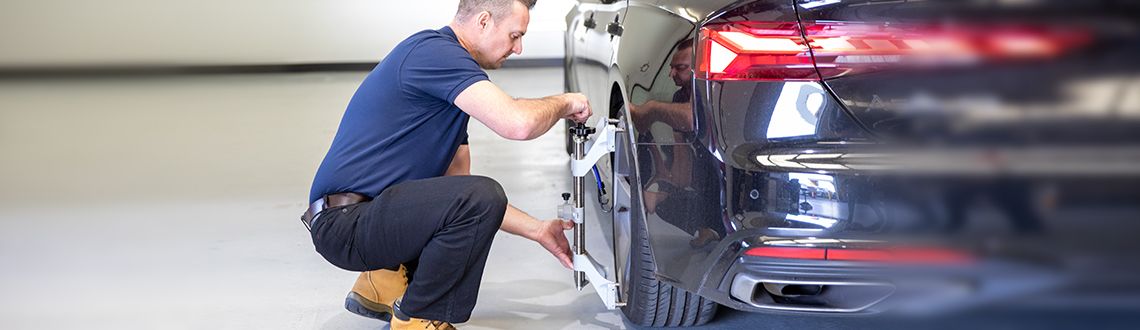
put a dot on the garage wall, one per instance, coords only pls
(45, 33)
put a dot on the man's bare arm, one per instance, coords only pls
(515, 221)
(546, 233)
(517, 118)
(679, 116)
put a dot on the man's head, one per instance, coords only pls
(680, 67)
(492, 30)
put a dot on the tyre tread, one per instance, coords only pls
(657, 304)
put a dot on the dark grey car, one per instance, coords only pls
(865, 156)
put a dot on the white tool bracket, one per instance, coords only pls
(607, 290)
(603, 143)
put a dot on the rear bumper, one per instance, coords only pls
(782, 285)
(1045, 233)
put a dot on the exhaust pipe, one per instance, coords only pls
(838, 296)
(792, 290)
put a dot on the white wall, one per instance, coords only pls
(219, 32)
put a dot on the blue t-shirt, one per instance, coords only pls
(402, 124)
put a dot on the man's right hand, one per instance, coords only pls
(577, 107)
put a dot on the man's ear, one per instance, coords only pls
(483, 19)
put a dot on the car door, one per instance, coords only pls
(601, 23)
(575, 49)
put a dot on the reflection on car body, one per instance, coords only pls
(808, 155)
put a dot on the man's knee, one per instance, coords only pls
(487, 194)
(485, 189)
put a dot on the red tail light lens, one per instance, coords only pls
(787, 253)
(782, 51)
(755, 51)
(896, 255)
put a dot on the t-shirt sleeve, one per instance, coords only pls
(440, 69)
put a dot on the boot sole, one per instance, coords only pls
(358, 305)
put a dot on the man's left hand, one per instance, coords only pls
(549, 235)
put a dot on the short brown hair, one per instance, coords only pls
(685, 44)
(497, 8)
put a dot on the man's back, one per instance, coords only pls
(402, 123)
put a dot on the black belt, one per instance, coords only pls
(329, 201)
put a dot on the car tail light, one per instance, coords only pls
(755, 51)
(783, 51)
(894, 255)
(787, 253)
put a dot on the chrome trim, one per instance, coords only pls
(743, 285)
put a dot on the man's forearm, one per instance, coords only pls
(679, 116)
(543, 113)
(517, 222)
(520, 119)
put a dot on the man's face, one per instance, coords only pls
(502, 37)
(680, 68)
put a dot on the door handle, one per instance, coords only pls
(590, 23)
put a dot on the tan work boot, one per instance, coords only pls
(375, 291)
(401, 321)
(420, 324)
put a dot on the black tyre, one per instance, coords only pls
(656, 304)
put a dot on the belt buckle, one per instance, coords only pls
(316, 207)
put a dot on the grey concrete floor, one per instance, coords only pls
(172, 202)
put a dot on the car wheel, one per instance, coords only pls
(657, 304)
(650, 302)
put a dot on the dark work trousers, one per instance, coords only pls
(440, 228)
